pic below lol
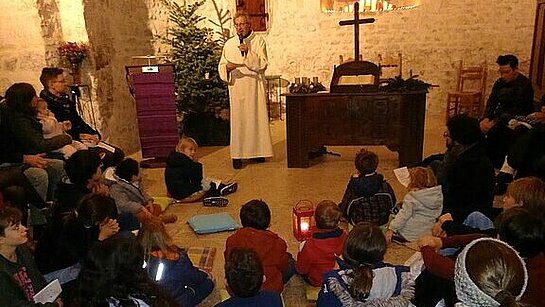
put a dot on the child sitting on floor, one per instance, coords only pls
(20, 278)
(364, 277)
(422, 205)
(171, 268)
(318, 254)
(184, 177)
(278, 264)
(51, 128)
(488, 272)
(130, 196)
(368, 197)
(244, 276)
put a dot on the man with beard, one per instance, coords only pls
(466, 173)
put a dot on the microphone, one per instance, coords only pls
(241, 40)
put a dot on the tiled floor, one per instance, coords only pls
(282, 188)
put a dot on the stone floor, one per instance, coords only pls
(282, 188)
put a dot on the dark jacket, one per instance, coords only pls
(181, 280)
(65, 109)
(13, 274)
(183, 176)
(508, 99)
(469, 184)
(64, 243)
(68, 196)
(527, 155)
(373, 199)
(22, 133)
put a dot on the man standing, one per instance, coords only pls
(512, 95)
(242, 65)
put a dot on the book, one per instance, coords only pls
(49, 293)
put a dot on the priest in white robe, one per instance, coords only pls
(242, 65)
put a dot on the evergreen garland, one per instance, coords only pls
(195, 54)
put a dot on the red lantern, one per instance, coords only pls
(303, 220)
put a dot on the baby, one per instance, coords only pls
(51, 128)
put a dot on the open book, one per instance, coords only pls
(49, 293)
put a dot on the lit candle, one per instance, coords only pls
(304, 226)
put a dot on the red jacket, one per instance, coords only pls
(536, 285)
(272, 251)
(443, 266)
(318, 255)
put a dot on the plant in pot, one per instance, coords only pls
(202, 98)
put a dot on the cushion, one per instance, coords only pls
(162, 201)
(210, 223)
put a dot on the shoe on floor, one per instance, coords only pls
(237, 163)
(258, 160)
(168, 218)
(228, 188)
(215, 201)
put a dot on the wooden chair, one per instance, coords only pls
(469, 95)
(392, 63)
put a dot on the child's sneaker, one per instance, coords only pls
(227, 188)
(215, 201)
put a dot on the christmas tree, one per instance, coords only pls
(202, 99)
(195, 53)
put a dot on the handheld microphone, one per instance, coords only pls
(241, 40)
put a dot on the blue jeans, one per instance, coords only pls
(478, 220)
(64, 275)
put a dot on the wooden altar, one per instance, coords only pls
(395, 120)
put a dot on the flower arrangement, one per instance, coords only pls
(74, 52)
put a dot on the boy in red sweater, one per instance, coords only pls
(317, 254)
(278, 264)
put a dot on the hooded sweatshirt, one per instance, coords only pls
(420, 210)
(183, 176)
(318, 255)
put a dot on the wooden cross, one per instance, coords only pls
(356, 22)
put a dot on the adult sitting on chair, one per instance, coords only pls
(58, 101)
(22, 143)
(512, 95)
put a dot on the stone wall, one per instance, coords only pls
(117, 31)
(22, 47)
(302, 41)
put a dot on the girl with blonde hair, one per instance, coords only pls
(170, 267)
(422, 205)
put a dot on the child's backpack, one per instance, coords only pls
(374, 209)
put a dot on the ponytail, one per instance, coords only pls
(362, 281)
(506, 299)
